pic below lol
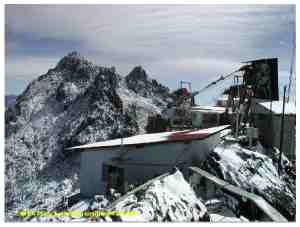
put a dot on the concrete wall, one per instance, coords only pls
(139, 174)
(289, 136)
(141, 163)
(91, 171)
(157, 153)
(200, 149)
(269, 131)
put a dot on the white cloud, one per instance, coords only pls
(139, 28)
(168, 40)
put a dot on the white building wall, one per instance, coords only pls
(91, 171)
(141, 163)
(157, 153)
(200, 149)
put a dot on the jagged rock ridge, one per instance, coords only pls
(74, 103)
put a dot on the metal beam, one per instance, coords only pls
(272, 213)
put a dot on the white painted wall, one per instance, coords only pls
(91, 171)
(200, 149)
(141, 163)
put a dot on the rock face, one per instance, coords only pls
(167, 199)
(144, 97)
(74, 103)
(256, 172)
(138, 81)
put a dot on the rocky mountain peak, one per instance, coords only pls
(71, 60)
(139, 82)
(138, 73)
(78, 68)
(76, 102)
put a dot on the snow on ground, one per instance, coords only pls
(218, 212)
(75, 213)
(45, 192)
(167, 199)
(170, 198)
(226, 216)
(254, 172)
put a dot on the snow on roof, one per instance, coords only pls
(208, 109)
(290, 107)
(174, 136)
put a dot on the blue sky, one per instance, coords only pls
(197, 43)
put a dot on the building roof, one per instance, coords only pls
(209, 109)
(151, 138)
(290, 107)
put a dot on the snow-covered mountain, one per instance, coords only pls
(76, 102)
(142, 97)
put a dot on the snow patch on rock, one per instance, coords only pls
(139, 107)
(254, 172)
(168, 199)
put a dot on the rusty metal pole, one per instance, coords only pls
(281, 132)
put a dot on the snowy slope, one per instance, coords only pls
(167, 199)
(219, 212)
(254, 172)
(142, 96)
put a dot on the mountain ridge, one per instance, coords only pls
(74, 103)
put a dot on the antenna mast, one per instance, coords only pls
(292, 64)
